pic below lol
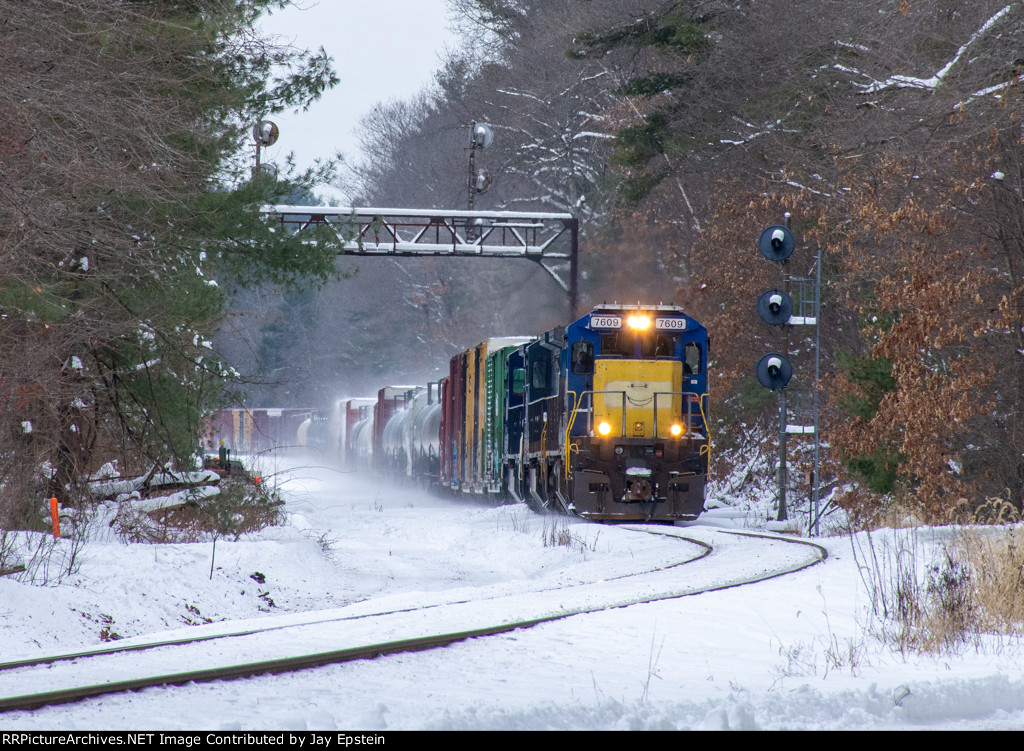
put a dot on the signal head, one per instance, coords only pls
(775, 307)
(774, 371)
(265, 132)
(481, 136)
(482, 181)
(776, 243)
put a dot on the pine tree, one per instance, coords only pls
(126, 213)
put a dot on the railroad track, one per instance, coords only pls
(316, 641)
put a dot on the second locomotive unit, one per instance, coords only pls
(605, 418)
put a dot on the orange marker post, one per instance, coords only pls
(56, 517)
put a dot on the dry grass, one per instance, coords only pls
(989, 511)
(948, 616)
(903, 510)
(559, 533)
(995, 560)
(975, 588)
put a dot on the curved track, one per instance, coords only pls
(313, 639)
(312, 618)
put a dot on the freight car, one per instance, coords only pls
(605, 418)
(252, 431)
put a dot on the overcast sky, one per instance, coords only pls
(382, 49)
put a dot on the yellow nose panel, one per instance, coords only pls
(637, 387)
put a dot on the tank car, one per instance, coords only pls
(359, 439)
(408, 444)
(423, 436)
(347, 414)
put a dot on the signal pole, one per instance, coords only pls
(774, 370)
(775, 307)
(783, 434)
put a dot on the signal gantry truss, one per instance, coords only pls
(428, 232)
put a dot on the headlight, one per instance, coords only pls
(676, 429)
(604, 428)
(639, 322)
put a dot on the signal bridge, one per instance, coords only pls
(430, 232)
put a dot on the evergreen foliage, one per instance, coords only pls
(873, 376)
(879, 470)
(674, 37)
(127, 212)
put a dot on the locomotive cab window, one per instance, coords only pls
(659, 345)
(539, 375)
(582, 358)
(617, 345)
(519, 381)
(691, 358)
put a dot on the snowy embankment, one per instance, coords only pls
(795, 652)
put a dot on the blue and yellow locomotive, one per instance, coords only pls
(607, 417)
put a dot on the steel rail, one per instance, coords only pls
(183, 640)
(418, 644)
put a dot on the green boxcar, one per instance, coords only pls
(482, 425)
(494, 422)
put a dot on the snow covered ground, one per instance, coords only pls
(797, 652)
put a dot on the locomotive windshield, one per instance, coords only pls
(659, 345)
(651, 345)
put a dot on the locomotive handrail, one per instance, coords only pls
(689, 410)
(576, 404)
(590, 412)
(706, 448)
(569, 445)
(579, 400)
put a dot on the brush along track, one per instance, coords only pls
(401, 630)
